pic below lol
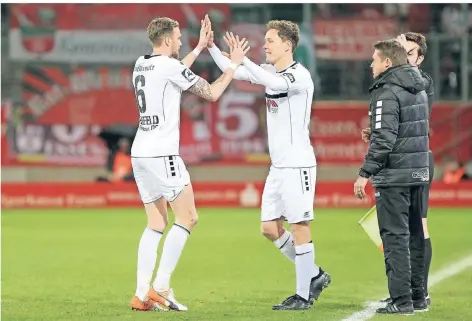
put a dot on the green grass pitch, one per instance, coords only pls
(80, 265)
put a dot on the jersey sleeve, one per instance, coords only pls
(223, 62)
(297, 79)
(180, 75)
(293, 79)
(258, 75)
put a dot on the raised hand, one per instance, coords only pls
(211, 39)
(205, 33)
(402, 40)
(230, 39)
(238, 48)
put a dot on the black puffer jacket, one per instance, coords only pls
(399, 144)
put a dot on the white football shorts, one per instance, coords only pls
(158, 177)
(289, 193)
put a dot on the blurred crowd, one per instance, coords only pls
(335, 79)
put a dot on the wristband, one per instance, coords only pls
(233, 66)
(196, 51)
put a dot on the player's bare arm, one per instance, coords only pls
(203, 89)
(205, 31)
(213, 92)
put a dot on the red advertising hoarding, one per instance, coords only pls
(350, 39)
(101, 195)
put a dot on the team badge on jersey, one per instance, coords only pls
(188, 74)
(289, 76)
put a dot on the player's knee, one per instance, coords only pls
(189, 219)
(157, 224)
(270, 230)
(301, 232)
(194, 220)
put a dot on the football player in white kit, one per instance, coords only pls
(160, 173)
(290, 186)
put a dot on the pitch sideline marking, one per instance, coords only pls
(434, 279)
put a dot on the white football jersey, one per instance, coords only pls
(288, 118)
(158, 84)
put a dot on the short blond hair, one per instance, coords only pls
(287, 30)
(159, 28)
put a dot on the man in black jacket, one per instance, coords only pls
(397, 162)
(415, 46)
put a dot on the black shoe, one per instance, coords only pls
(387, 300)
(420, 305)
(392, 308)
(318, 284)
(294, 302)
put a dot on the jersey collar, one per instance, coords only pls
(150, 56)
(293, 64)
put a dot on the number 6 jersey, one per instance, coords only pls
(158, 84)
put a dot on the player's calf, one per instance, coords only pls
(273, 230)
(305, 266)
(282, 239)
(147, 250)
(186, 217)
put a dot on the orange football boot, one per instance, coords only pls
(138, 305)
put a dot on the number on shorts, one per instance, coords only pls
(141, 82)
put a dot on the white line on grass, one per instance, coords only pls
(434, 279)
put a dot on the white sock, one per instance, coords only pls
(305, 256)
(286, 246)
(316, 268)
(147, 254)
(173, 246)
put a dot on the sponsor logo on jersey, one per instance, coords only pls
(272, 106)
(143, 68)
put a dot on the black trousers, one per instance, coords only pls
(399, 216)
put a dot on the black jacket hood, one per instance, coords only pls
(404, 76)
